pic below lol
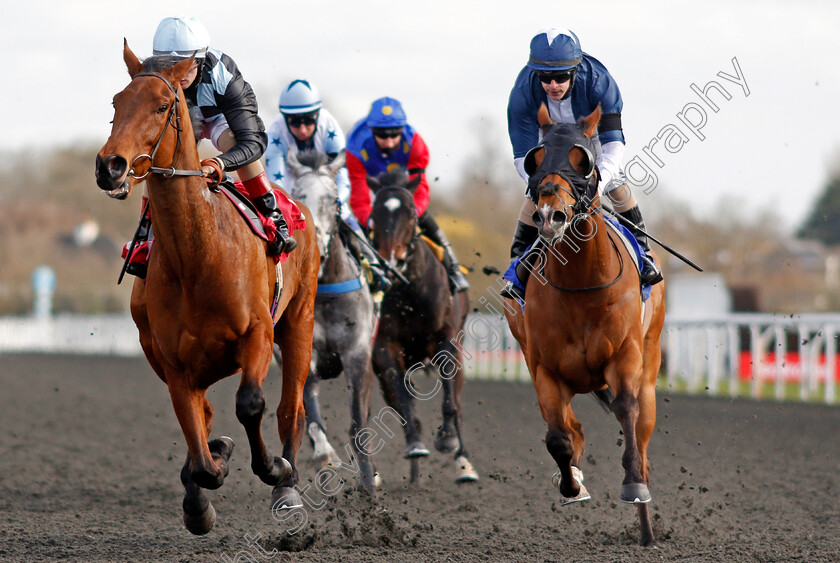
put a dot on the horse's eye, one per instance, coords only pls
(163, 108)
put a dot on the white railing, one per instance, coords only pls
(760, 355)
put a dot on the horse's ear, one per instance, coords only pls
(414, 182)
(131, 61)
(582, 160)
(543, 117)
(373, 184)
(180, 70)
(336, 163)
(533, 159)
(590, 123)
(295, 167)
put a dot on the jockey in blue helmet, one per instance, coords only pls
(384, 141)
(571, 84)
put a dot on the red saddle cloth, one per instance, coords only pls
(291, 212)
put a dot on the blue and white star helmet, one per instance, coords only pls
(299, 96)
(555, 49)
(182, 36)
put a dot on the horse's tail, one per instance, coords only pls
(604, 397)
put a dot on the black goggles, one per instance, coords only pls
(303, 119)
(558, 76)
(387, 133)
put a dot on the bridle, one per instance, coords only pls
(173, 119)
(580, 207)
(412, 244)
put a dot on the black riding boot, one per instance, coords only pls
(457, 279)
(523, 237)
(267, 204)
(651, 274)
(375, 274)
(144, 233)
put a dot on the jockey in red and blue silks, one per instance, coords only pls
(384, 141)
(571, 84)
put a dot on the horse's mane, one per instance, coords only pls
(393, 178)
(312, 159)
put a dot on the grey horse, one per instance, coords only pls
(345, 315)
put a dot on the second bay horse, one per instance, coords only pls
(582, 327)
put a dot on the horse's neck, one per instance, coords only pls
(580, 260)
(338, 266)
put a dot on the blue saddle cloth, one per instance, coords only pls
(511, 276)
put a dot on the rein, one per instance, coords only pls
(166, 172)
(590, 288)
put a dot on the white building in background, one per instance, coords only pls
(695, 297)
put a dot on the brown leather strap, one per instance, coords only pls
(215, 178)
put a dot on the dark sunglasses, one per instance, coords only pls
(559, 77)
(298, 120)
(387, 133)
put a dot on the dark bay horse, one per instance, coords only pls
(419, 326)
(204, 310)
(583, 327)
(345, 318)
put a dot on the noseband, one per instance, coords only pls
(173, 119)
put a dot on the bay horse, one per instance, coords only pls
(345, 315)
(582, 327)
(204, 310)
(420, 324)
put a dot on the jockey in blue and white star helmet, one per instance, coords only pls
(305, 125)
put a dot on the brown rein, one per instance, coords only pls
(544, 261)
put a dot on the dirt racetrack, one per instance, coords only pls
(90, 453)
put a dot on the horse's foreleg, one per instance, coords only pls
(554, 398)
(250, 406)
(392, 381)
(450, 438)
(360, 377)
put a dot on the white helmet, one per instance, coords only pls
(299, 97)
(183, 36)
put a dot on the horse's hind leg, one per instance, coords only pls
(322, 450)
(294, 334)
(449, 437)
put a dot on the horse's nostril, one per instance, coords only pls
(558, 216)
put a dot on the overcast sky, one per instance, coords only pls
(453, 62)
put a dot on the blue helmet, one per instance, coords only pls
(386, 113)
(300, 96)
(555, 49)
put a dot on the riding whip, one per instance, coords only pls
(636, 228)
(133, 243)
(382, 261)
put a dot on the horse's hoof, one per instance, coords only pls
(222, 447)
(582, 495)
(447, 443)
(202, 523)
(635, 493)
(285, 498)
(415, 449)
(281, 470)
(464, 471)
(377, 480)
